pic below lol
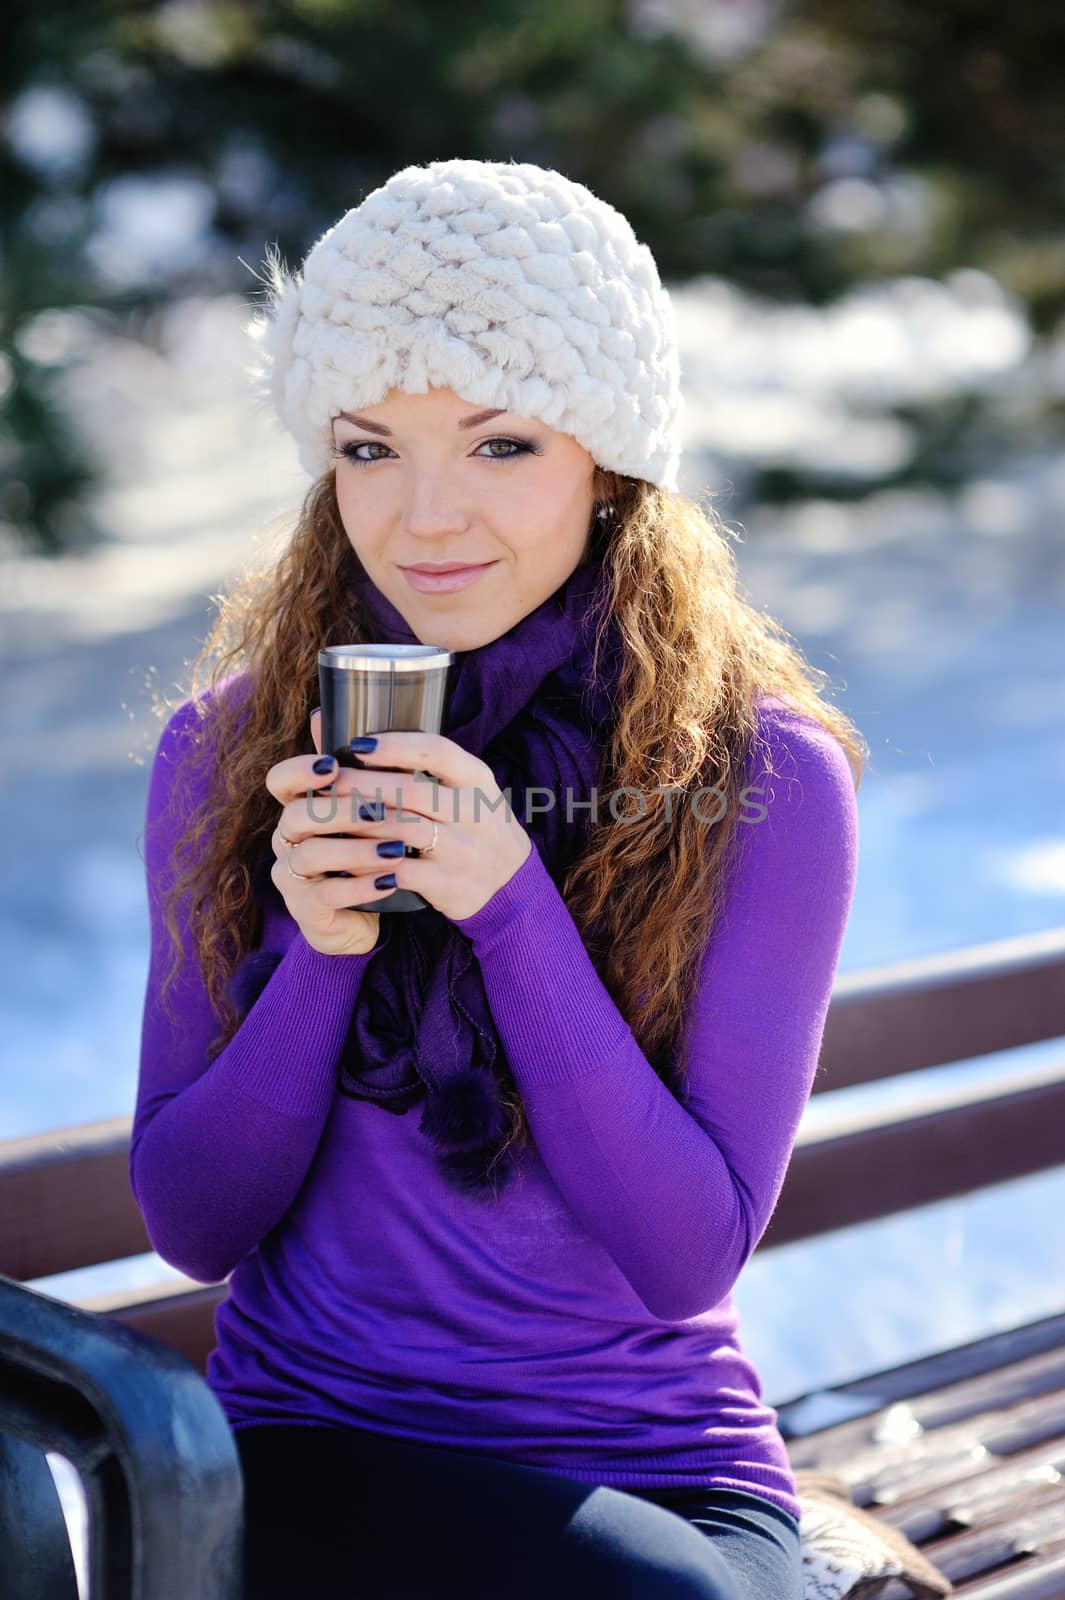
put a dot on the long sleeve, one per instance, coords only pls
(680, 1194)
(220, 1149)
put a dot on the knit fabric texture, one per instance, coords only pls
(506, 282)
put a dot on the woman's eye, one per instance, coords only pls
(515, 447)
(348, 450)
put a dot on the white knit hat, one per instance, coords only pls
(506, 282)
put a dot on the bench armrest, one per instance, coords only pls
(150, 1442)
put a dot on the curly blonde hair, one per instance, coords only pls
(696, 655)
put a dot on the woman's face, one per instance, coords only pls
(420, 481)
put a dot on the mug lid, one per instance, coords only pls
(385, 657)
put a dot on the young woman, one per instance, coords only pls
(482, 1176)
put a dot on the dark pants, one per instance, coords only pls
(342, 1514)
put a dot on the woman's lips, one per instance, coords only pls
(444, 582)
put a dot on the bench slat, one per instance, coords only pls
(1040, 1578)
(881, 1170)
(65, 1200)
(1023, 1480)
(931, 1010)
(1022, 1531)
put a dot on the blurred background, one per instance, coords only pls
(858, 210)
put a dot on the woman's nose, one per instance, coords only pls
(432, 509)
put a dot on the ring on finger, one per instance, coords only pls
(304, 877)
(284, 840)
(429, 847)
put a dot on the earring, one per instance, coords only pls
(605, 511)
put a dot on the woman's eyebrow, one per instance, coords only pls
(379, 427)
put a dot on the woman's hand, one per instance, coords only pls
(418, 779)
(319, 906)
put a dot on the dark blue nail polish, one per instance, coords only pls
(363, 743)
(391, 847)
(324, 764)
(373, 812)
(387, 882)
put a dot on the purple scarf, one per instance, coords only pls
(421, 1028)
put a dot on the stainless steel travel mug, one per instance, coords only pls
(373, 688)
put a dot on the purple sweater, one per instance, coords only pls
(584, 1322)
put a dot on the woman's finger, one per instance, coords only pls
(324, 894)
(284, 849)
(288, 779)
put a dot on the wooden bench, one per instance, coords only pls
(963, 1450)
